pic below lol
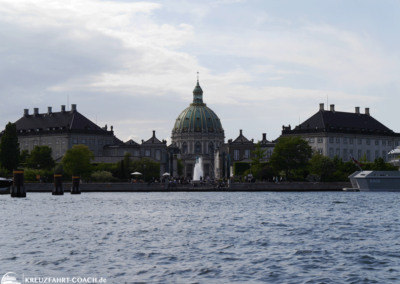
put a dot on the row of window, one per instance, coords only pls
(147, 153)
(90, 141)
(346, 154)
(346, 140)
(236, 154)
(46, 142)
(197, 147)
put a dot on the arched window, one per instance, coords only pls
(184, 148)
(198, 147)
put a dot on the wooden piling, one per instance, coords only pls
(18, 189)
(75, 189)
(58, 187)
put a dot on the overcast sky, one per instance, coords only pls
(262, 64)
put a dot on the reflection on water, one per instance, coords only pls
(218, 237)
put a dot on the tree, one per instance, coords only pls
(102, 176)
(321, 165)
(259, 155)
(127, 164)
(40, 158)
(180, 167)
(77, 160)
(122, 170)
(290, 153)
(9, 148)
(147, 167)
(23, 157)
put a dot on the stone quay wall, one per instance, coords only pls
(128, 187)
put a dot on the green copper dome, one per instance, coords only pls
(198, 117)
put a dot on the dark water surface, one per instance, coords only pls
(266, 237)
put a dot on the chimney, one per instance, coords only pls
(332, 108)
(35, 111)
(49, 110)
(230, 141)
(358, 110)
(367, 111)
(154, 133)
(62, 108)
(73, 108)
(321, 107)
(241, 132)
(264, 136)
(26, 112)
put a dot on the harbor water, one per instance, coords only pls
(216, 237)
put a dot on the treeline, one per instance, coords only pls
(293, 159)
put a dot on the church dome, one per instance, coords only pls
(198, 117)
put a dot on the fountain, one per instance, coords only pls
(198, 169)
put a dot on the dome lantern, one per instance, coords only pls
(197, 94)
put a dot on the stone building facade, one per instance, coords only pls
(197, 132)
(342, 134)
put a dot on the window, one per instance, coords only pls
(368, 142)
(26, 143)
(383, 142)
(64, 151)
(338, 153)
(49, 142)
(75, 141)
(83, 141)
(158, 155)
(63, 141)
(44, 142)
(351, 140)
(198, 147)
(389, 143)
(320, 140)
(136, 153)
(236, 155)
(91, 141)
(99, 153)
(57, 141)
(377, 142)
(108, 142)
(113, 153)
(330, 139)
(331, 153)
(184, 148)
(99, 141)
(311, 140)
(384, 155)
(147, 153)
(345, 156)
(344, 140)
(359, 154)
(338, 140)
(34, 142)
(320, 151)
(247, 154)
(57, 154)
(368, 155)
(359, 140)
(351, 152)
(396, 143)
(376, 154)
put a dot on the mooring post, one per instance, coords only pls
(18, 188)
(75, 189)
(58, 188)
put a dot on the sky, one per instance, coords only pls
(263, 64)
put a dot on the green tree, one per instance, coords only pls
(102, 176)
(40, 158)
(23, 157)
(122, 170)
(321, 165)
(259, 155)
(290, 153)
(147, 167)
(180, 167)
(127, 164)
(58, 169)
(364, 159)
(76, 161)
(9, 148)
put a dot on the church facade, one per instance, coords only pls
(197, 132)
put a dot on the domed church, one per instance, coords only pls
(197, 132)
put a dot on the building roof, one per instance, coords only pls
(154, 140)
(198, 117)
(58, 120)
(241, 139)
(338, 119)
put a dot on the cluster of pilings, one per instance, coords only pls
(18, 189)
